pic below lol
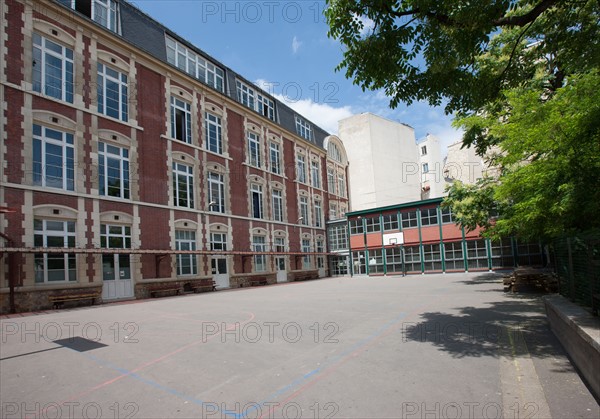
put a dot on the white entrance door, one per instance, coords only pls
(220, 273)
(281, 270)
(116, 272)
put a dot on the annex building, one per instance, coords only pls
(144, 161)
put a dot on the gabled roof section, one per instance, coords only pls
(144, 32)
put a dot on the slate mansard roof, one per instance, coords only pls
(142, 31)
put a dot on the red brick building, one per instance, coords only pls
(119, 134)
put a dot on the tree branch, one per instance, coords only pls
(523, 20)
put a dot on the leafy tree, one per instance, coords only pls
(461, 50)
(522, 79)
(549, 161)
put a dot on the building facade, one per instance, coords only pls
(421, 237)
(119, 134)
(384, 164)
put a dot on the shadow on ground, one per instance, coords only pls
(481, 331)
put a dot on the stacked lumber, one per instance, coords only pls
(527, 277)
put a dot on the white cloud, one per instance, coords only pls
(296, 44)
(322, 114)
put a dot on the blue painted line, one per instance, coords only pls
(356, 346)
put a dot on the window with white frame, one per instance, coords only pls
(53, 158)
(453, 256)
(303, 210)
(216, 192)
(104, 12)
(376, 261)
(181, 120)
(423, 150)
(279, 244)
(275, 157)
(303, 128)
(390, 222)
(260, 261)
(112, 93)
(318, 213)
(277, 195)
(52, 69)
(372, 224)
(334, 152)
(447, 216)
(429, 217)
(343, 210)
(252, 98)
(356, 226)
(54, 267)
(425, 167)
(187, 264)
(320, 248)
(113, 171)
(338, 237)
(195, 65)
(315, 174)
(115, 266)
(183, 185)
(254, 150)
(331, 183)
(333, 210)
(432, 257)
(214, 133)
(409, 219)
(218, 241)
(256, 195)
(341, 185)
(300, 168)
(306, 262)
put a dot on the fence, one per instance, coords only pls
(577, 263)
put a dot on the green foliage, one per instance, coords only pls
(549, 160)
(472, 205)
(522, 78)
(465, 52)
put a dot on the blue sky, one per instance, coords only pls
(283, 46)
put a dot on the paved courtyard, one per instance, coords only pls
(433, 346)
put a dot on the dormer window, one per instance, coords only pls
(303, 129)
(104, 12)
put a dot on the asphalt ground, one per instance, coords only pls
(427, 346)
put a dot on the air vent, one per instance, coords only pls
(185, 224)
(116, 217)
(54, 119)
(112, 60)
(54, 32)
(114, 137)
(56, 212)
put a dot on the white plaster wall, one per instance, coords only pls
(384, 163)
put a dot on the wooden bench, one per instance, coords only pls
(595, 304)
(305, 276)
(199, 286)
(254, 282)
(59, 299)
(163, 288)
